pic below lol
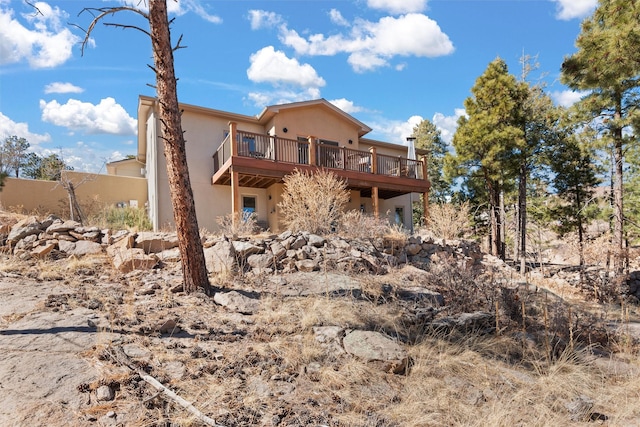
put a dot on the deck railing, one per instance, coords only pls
(268, 147)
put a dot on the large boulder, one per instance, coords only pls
(152, 242)
(220, 258)
(24, 228)
(235, 301)
(133, 259)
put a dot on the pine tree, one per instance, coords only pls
(488, 139)
(607, 65)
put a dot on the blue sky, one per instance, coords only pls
(389, 63)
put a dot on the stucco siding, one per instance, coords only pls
(93, 191)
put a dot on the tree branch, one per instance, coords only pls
(99, 14)
(178, 44)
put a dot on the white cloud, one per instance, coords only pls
(346, 105)
(398, 6)
(448, 124)
(84, 156)
(567, 98)
(284, 96)
(178, 8)
(337, 18)
(371, 45)
(45, 42)
(60, 87)
(9, 128)
(263, 19)
(271, 66)
(394, 131)
(106, 117)
(570, 9)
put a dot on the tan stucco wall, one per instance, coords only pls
(315, 121)
(203, 134)
(129, 167)
(92, 191)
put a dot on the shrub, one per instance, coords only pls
(313, 202)
(120, 218)
(358, 225)
(238, 224)
(449, 221)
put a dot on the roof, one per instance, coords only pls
(269, 112)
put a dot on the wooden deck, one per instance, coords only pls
(262, 173)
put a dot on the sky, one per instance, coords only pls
(388, 63)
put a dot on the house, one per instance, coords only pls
(237, 162)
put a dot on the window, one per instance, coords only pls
(248, 207)
(399, 216)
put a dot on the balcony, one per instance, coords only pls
(262, 160)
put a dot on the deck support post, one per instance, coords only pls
(235, 197)
(374, 202)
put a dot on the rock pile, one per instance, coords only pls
(286, 252)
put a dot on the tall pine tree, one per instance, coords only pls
(488, 139)
(607, 65)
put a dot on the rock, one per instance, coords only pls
(244, 249)
(237, 302)
(278, 250)
(413, 249)
(86, 247)
(42, 251)
(23, 228)
(420, 294)
(316, 241)
(133, 259)
(260, 261)
(307, 265)
(298, 243)
(220, 258)
(66, 246)
(168, 326)
(135, 351)
(375, 348)
(466, 322)
(175, 369)
(105, 393)
(60, 227)
(152, 242)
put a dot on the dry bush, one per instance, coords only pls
(449, 221)
(313, 202)
(355, 224)
(238, 224)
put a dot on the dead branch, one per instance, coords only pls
(120, 357)
(38, 11)
(177, 46)
(100, 13)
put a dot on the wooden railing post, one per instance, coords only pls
(313, 161)
(374, 160)
(274, 141)
(233, 134)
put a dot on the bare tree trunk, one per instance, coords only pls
(522, 217)
(194, 269)
(618, 210)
